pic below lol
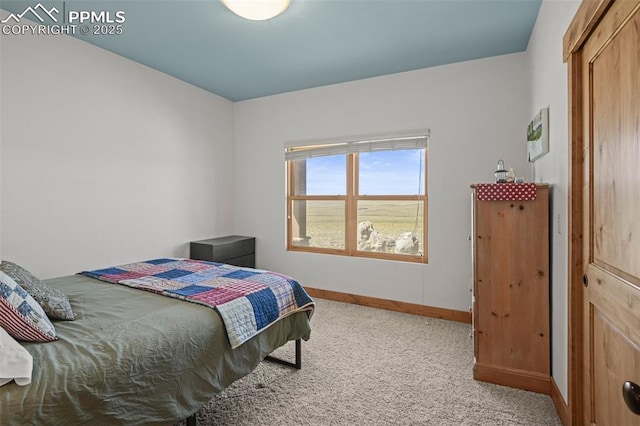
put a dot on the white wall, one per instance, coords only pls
(477, 112)
(106, 161)
(548, 88)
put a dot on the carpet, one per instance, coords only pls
(365, 366)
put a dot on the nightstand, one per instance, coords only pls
(233, 250)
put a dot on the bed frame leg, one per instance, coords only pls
(298, 362)
(191, 420)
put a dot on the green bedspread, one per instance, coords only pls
(133, 357)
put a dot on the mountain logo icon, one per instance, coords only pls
(34, 13)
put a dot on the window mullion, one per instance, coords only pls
(350, 210)
(290, 192)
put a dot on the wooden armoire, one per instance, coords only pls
(511, 285)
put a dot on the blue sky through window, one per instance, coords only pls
(381, 173)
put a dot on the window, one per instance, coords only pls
(364, 198)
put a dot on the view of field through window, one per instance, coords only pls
(388, 215)
(364, 198)
(391, 221)
(325, 222)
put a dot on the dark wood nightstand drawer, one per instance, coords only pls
(233, 250)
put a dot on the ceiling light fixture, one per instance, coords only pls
(257, 10)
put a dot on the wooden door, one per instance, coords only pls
(611, 211)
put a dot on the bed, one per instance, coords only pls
(134, 357)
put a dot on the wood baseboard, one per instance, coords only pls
(392, 305)
(521, 379)
(561, 407)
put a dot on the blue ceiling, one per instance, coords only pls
(313, 43)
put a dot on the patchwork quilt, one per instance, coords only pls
(248, 300)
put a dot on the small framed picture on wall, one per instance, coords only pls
(538, 135)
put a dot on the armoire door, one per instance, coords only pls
(611, 225)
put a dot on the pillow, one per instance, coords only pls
(54, 303)
(16, 362)
(21, 315)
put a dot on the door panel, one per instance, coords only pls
(616, 153)
(611, 85)
(618, 358)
